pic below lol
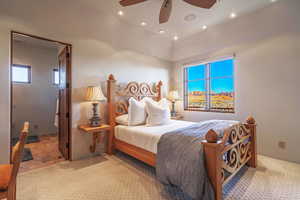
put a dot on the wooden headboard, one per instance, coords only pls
(118, 95)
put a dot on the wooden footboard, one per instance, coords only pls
(225, 157)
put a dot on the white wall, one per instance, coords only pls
(35, 102)
(101, 46)
(267, 44)
(97, 62)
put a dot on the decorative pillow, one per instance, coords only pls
(122, 120)
(158, 112)
(136, 112)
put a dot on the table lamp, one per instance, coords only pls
(95, 95)
(173, 97)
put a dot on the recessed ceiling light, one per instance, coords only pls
(121, 13)
(190, 17)
(273, 1)
(143, 24)
(204, 27)
(175, 37)
(161, 31)
(232, 15)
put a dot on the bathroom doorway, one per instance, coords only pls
(41, 94)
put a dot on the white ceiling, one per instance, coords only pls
(98, 19)
(149, 11)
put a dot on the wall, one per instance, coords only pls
(5, 96)
(97, 62)
(267, 46)
(35, 102)
(101, 45)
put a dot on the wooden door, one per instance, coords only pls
(64, 102)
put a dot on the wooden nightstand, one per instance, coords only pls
(177, 117)
(96, 132)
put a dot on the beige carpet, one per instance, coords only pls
(124, 178)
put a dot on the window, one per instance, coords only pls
(21, 74)
(210, 86)
(55, 76)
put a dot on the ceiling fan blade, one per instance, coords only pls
(130, 2)
(202, 3)
(165, 11)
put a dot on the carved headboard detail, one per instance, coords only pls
(121, 108)
(137, 90)
(118, 95)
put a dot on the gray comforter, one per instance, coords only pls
(180, 159)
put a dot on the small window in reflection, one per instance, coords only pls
(21, 73)
(55, 76)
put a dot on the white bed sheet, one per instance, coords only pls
(147, 137)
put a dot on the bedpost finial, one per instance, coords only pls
(111, 77)
(160, 83)
(250, 120)
(211, 136)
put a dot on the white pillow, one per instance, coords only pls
(136, 112)
(122, 120)
(158, 112)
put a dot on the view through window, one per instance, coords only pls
(21, 74)
(210, 86)
(55, 76)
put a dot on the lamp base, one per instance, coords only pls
(173, 112)
(95, 121)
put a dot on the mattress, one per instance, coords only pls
(147, 137)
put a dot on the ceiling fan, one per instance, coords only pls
(166, 8)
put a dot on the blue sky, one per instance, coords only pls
(219, 69)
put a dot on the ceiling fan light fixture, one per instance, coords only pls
(190, 17)
(204, 27)
(175, 38)
(166, 8)
(143, 24)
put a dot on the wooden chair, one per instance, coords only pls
(8, 172)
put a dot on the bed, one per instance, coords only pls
(147, 137)
(224, 156)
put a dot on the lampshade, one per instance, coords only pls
(173, 95)
(94, 93)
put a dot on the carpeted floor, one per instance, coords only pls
(123, 178)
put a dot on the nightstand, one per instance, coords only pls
(97, 133)
(177, 117)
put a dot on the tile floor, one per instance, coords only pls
(44, 153)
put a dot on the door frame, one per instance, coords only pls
(68, 77)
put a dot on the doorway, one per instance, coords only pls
(41, 94)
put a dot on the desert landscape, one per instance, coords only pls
(219, 101)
